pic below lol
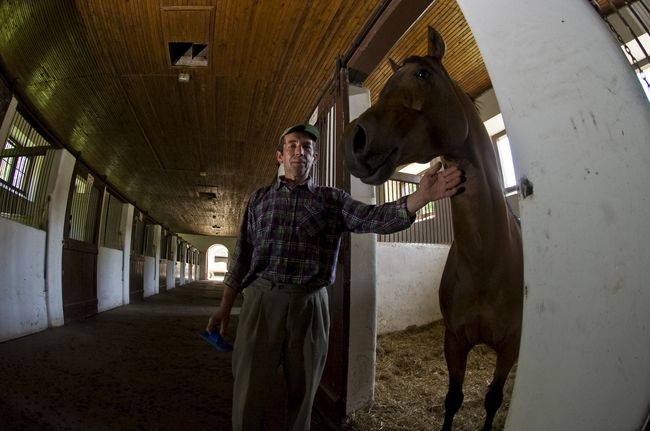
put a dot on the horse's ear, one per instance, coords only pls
(436, 44)
(393, 65)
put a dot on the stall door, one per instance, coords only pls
(79, 275)
(136, 274)
(331, 397)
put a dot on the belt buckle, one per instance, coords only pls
(279, 286)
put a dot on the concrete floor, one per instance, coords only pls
(138, 367)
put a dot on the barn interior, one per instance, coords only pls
(175, 106)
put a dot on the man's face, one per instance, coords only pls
(297, 156)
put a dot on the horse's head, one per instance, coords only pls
(419, 115)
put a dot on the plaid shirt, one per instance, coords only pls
(292, 234)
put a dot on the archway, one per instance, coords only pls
(217, 257)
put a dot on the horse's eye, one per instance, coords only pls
(423, 74)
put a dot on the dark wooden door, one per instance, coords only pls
(162, 265)
(79, 275)
(136, 267)
(162, 275)
(331, 397)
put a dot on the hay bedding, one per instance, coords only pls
(411, 384)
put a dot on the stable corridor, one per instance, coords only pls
(137, 367)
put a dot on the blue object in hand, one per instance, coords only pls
(216, 340)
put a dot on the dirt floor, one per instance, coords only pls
(144, 367)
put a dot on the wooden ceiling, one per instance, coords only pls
(97, 74)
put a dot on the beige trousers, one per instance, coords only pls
(284, 325)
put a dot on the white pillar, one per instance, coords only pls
(363, 293)
(126, 226)
(579, 125)
(58, 189)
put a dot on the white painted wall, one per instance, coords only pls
(580, 129)
(408, 280)
(23, 305)
(30, 282)
(109, 278)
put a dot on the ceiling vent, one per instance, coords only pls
(188, 54)
(208, 195)
(187, 31)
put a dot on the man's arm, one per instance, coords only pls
(220, 318)
(241, 261)
(434, 184)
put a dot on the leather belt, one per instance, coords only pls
(288, 287)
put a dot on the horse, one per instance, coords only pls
(422, 113)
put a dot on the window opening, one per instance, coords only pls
(112, 218)
(506, 165)
(433, 223)
(149, 240)
(137, 234)
(25, 166)
(83, 209)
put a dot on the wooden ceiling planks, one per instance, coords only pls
(98, 74)
(462, 57)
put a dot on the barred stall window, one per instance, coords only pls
(629, 22)
(112, 217)
(137, 234)
(25, 168)
(433, 224)
(150, 244)
(83, 209)
(164, 244)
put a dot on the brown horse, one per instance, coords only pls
(421, 114)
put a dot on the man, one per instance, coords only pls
(285, 257)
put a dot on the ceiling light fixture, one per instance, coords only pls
(184, 77)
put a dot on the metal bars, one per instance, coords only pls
(111, 233)
(83, 209)
(628, 23)
(25, 168)
(433, 223)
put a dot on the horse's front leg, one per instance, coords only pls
(506, 357)
(456, 358)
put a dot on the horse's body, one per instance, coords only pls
(421, 114)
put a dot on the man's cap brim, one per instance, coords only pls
(310, 129)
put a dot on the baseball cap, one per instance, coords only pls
(302, 127)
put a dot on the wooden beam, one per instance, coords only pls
(396, 18)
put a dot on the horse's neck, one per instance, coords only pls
(482, 219)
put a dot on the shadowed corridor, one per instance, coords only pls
(137, 367)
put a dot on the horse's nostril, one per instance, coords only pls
(359, 142)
